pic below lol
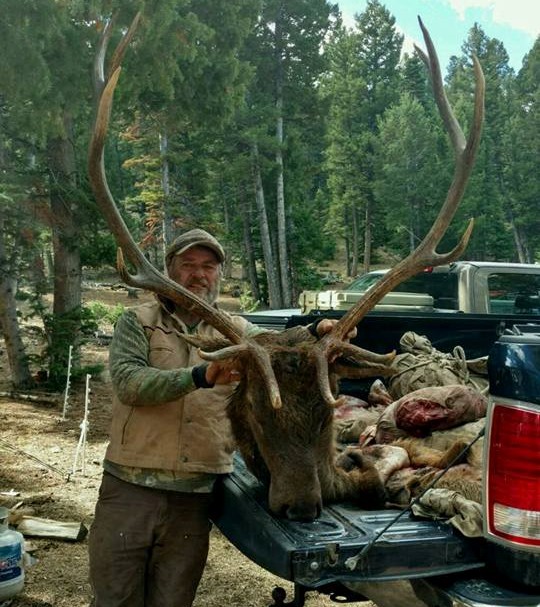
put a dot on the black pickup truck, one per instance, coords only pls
(389, 556)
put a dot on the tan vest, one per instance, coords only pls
(191, 434)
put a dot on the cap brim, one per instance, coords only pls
(202, 243)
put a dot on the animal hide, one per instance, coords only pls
(423, 411)
(353, 417)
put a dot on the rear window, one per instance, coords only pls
(440, 285)
(364, 282)
(514, 293)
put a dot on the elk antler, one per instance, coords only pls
(425, 254)
(147, 276)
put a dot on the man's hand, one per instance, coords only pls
(223, 372)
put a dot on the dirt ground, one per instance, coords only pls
(37, 456)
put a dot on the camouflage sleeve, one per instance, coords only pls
(135, 382)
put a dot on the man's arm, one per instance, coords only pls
(135, 382)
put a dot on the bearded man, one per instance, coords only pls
(170, 440)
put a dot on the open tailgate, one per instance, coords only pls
(314, 554)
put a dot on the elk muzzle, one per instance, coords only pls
(296, 497)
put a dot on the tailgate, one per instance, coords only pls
(313, 554)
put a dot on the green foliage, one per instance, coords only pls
(188, 51)
(378, 48)
(415, 81)
(362, 83)
(404, 186)
(363, 145)
(521, 152)
(98, 248)
(78, 374)
(247, 303)
(35, 306)
(309, 278)
(96, 313)
(486, 198)
(92, 318)
(60, 332)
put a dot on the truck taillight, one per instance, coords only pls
(513, 475)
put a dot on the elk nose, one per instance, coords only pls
(303, 511)
(297, 496)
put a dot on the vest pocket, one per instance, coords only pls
(162, 357)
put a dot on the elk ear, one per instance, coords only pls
(346, 368)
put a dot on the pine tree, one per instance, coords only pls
(365, 65)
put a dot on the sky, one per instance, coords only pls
(516, 23)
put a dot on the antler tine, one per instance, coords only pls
(431, 61)
(120, 50)
(146, 276)
(252, 350)
(425, 254)
(99, 59)
(323, 378)
(369, 363)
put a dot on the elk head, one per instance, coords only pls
(283, 408)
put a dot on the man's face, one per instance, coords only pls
(198, 270)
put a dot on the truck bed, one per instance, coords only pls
(381, 331)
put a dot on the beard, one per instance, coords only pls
(206, 291)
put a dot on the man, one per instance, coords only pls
(170, 440)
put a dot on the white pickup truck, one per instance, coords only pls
(473, 287)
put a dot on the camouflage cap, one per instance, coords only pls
(194, 238)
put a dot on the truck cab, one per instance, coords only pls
(471, 287)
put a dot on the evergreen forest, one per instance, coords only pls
(269, 123)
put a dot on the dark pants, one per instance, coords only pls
(147, 547)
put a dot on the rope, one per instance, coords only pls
(459, 354)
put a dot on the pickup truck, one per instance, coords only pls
(472, 287)
(389, 556)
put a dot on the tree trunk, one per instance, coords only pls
(355, 244)
(520, 239)
(412, 232)
(9, 324)
(274, 294)
(367, 237)
(166, 232)
(67, 262)
(249, 263)
(282, 222)
(283, 255)
(227, 264)
(347, 245)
